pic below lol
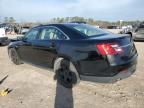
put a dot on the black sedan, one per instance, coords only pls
(76, 51)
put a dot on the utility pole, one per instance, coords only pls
(121, 21)
(0, 20)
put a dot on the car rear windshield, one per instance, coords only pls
(88, 30)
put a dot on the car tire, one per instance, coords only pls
(14, 56)
(66, 73)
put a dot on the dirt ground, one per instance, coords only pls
(34, 87)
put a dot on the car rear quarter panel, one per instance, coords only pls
(84, 55)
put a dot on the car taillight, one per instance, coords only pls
(109, 49)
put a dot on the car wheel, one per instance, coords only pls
(66, 73)
(14, 56)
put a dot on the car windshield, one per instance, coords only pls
(89, 30)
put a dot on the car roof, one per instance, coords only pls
(59, 24)
(65, 27)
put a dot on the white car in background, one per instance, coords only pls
(3, 38)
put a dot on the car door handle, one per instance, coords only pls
(52, 45)
(28, 43)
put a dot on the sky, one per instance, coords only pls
(43, 10)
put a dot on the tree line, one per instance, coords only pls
(9, 20)
(91, 21)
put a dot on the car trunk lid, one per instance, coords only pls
(119, 49)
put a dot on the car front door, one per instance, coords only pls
(25, 47)
(47, 45)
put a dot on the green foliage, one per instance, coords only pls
(91, 21)
(10, 20)
(6, 20)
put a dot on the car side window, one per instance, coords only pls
(51, 33)
(59, 35)
(32, 35)
(47, 33)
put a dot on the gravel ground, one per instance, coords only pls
(34, 87)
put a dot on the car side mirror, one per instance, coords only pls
(21, 38)
(24, 33)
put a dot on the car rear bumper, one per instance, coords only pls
(113, 73)
(4, 40)
(121, 75)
